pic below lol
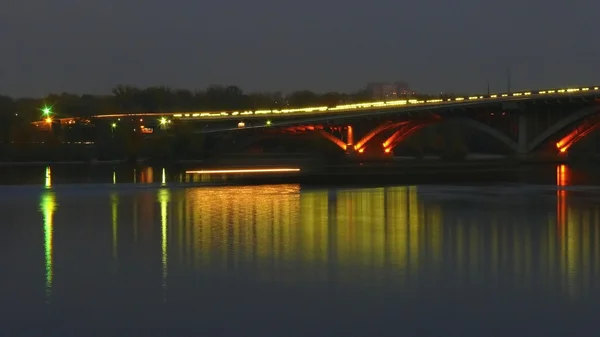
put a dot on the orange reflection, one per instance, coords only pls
(562, 180)
(147, 176)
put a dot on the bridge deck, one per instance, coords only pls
(348, 110)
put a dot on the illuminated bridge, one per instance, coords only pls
(524, 122)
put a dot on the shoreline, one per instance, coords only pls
(323, 174)
(381, 174)
(296, 162)
(62, 162)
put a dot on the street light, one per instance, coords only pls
(113, 126)
(46, 110)
(163, 121)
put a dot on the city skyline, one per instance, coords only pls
(264, 46)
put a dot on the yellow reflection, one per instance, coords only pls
(287, 234)
(312, 234)
(48, 206)
(164, 198)
(361, 227)
(48, 182)
(256, 222)
(277, 225)
(114, 201)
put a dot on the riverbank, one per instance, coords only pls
(64, 162)
(300, 160)
(373, 173)
(306, 162)
(318, 174)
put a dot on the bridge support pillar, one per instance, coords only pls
(350, 136)
(522, 136)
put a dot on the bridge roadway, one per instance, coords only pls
(286, 117)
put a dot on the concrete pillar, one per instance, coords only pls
(523, 141)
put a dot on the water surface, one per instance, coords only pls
(510, 258)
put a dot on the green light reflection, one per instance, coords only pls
(48, 206)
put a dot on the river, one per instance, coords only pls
(119, 253)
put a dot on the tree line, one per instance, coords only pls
(128, 99)
(125, 98)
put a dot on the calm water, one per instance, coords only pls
(102, 259)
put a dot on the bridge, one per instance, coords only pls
(524, 121)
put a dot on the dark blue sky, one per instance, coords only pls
(91, 46)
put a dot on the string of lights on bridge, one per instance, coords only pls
(325, 109)
(374, 105)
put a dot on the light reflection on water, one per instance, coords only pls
(364, 233)
(180, 245)
(48, 206)
(163, 199)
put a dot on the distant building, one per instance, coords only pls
(389, 91)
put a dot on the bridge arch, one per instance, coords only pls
(560, 125)
(362, 143)
(335, 140)
(401, 134)
(323, 133)
(513, 145)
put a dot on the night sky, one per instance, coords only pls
(267, 45)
